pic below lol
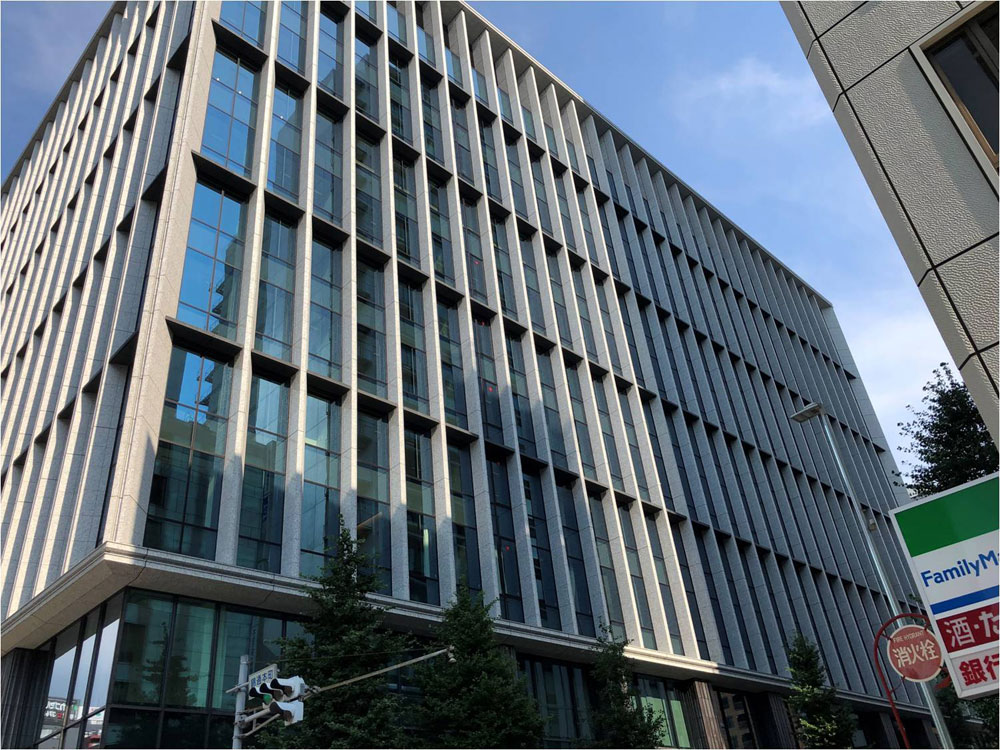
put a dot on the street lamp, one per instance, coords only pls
(802, 416)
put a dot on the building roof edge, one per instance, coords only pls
(600, 116)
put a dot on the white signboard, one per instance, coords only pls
(952, 540)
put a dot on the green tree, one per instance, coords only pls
(345, 637)
(479, 700)
(952, 446)
(971, 723)
(618, 717)
(819, 717)
(948, 438)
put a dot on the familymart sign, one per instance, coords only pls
(952, 540)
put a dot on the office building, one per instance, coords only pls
(914, 88)
(270, 265)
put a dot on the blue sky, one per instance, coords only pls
(719, 92)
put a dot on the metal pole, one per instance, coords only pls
(885, 683)
(241, 701)
(377, 672)
(866, 533)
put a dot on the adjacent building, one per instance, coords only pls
(913, 85)
(273, 267)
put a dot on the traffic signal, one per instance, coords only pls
(279, 689)
(290, 711)
(282, 697)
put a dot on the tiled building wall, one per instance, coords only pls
(561, 376)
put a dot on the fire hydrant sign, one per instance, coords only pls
(915, 654)
(952, 540)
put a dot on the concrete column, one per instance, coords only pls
(712, 724)
(771, 721)
(22, 708)
(889, 736)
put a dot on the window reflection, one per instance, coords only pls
(321, 494)
(183, 513)
(262, 514)
(174, 653)
(57, 697)
(967, 63)
(210, 284)
(373, 497)
(421, 535)
(231, 118)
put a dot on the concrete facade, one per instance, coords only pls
(933, 179)
(629, 358)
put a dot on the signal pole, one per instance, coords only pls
(241, 700)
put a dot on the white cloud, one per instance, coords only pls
(751, 92)
(895, 346)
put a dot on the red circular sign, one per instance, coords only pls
(915, 654)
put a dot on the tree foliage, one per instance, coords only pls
(820, 719)
(618, 718)
(479, 700)
(948, 438)
(345, 637)
(952, 445)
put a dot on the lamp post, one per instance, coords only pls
(802, 416)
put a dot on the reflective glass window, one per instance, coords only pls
(245, 18)
(553, 416)
(373, 497)
(369, 191)
(452, 379)
(516, 181)
(541, 552)
(366, 78)
(321, 490)
(395, 22)
(371, 344)
(231, 117)
(330, 61)
(522, 401)
(407, 239)
(616, 620)
(261, 516)
(574, 557)
(286, 140)
(328, 169)
(433, 142)
(511, 606)
(489, 160)
(463, 152)
(292, 35)
(541, 198)
(463, 517)
(437, 195)
(210, 283)
(489, 390)
(635, 574)
(399, 99)
(475, 268)
(580, 422)
(276, 291)
(413, 348)
(325, 310)
(421, 534)
(505, 277)
(183, 512)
